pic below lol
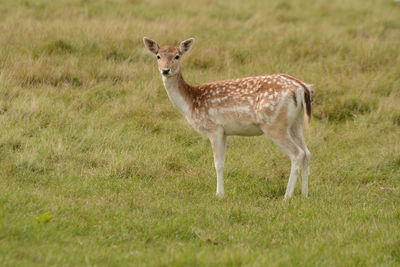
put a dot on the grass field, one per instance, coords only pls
(98, 168)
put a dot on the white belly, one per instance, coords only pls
(236, 121)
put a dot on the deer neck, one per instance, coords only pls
(179, 92)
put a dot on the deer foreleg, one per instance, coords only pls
(218, 143)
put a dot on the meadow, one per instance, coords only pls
(97, 168)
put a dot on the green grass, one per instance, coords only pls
(98, 168)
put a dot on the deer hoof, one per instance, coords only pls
(220, 194)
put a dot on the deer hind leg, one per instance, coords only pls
(218, 143)
(296, 132)
(284, 140)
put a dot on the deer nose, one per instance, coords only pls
(166, 71)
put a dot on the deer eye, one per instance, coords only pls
(177, 57)
(158, 57)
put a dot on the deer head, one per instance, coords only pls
(168, 57)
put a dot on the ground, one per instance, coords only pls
(98, 168)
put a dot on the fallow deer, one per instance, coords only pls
(271, 104)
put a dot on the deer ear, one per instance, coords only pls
(151, 45)
(186, 46)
